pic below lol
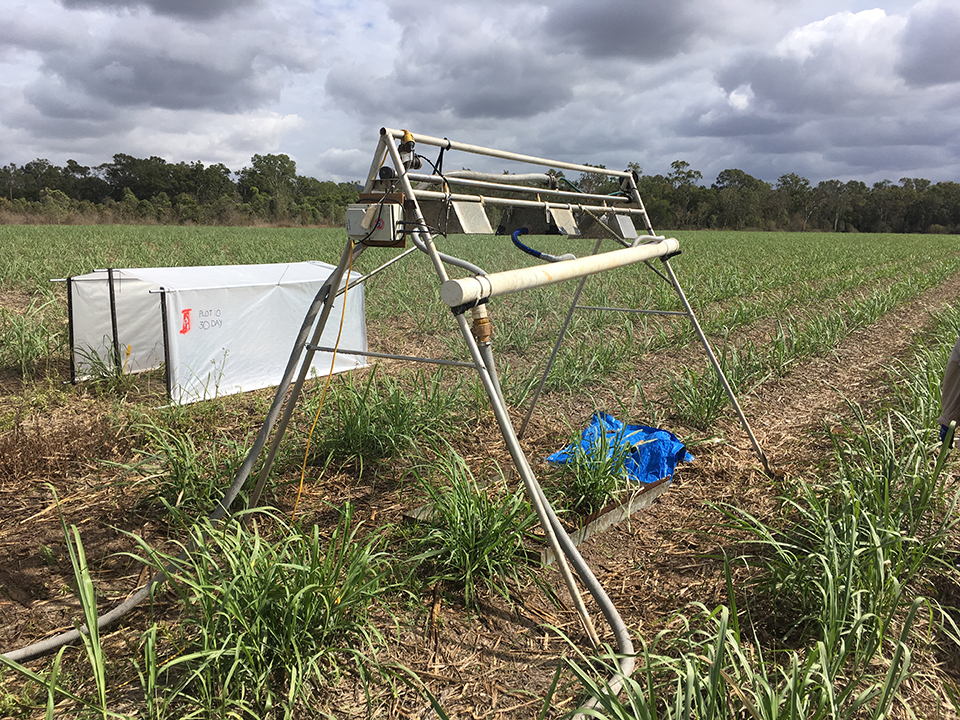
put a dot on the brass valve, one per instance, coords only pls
(482, 328)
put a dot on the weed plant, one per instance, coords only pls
(583, 365)
(472, 537)
(851, 546)
(706, 666)
(838, 578)
(53, 684)
(185, 479)
(379, 418)
(27, 339)
(97, 372)
(518, 381)
(97, 364)
(698, 396)
(270, 623)
(592, 477)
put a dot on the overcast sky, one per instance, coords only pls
(847, 89)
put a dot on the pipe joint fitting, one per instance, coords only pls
(482, 328)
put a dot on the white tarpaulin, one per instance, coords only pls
(217, 330)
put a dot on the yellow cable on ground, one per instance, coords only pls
(323, 395)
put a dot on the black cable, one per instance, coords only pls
(445, 210)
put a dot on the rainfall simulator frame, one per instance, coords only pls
(401, 203)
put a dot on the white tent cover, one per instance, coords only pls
(229, 328)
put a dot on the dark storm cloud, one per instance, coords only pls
(645, 30)
(819, 85)
(17, 35)
(471, 73)
(70, 126)
(883, 134)
(781, 85)
(467, 92)
(908, 159)
(732, 124)
(930, 42)
(113, 64)
(821, 88)
(187, 9)
(58, 101)
(123, 75)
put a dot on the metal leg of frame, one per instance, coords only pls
(716, 366)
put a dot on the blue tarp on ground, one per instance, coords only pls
(653, 453)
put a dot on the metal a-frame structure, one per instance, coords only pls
(401, 202)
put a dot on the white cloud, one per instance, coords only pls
(740, 97)
(838, 31)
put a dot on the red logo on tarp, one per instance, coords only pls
(186, 322)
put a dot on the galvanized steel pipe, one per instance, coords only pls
(493, 185)
(503, 154)
(518, 202)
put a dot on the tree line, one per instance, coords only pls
(152, 190)
(739, 201)
(269, 190)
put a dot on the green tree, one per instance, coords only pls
(831, 200)
(9, 178)
(597, 183)
(38, 175)
(144, 177)
(740, 199)
(799, 194)
(683, 176)
(687, 205)
(274, 178)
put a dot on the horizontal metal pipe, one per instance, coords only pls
(388, 356)
(469, 290)
(503, 154)
(363, 278)
(499, 178)
(467, 182)
(517, 202)
(632, 310)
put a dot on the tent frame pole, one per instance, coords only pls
(113, 323)
(165, 329)
(73, 362)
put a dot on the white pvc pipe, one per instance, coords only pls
(469, 290)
